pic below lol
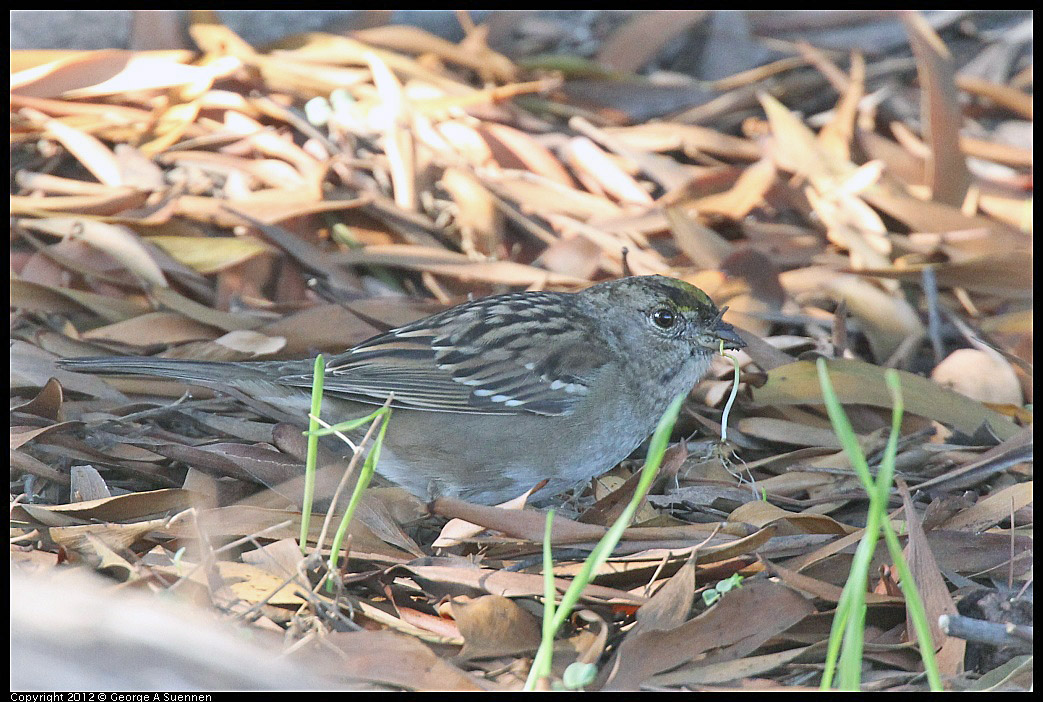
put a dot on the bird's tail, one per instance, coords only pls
(205, 372)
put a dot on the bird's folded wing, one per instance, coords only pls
(474, 365)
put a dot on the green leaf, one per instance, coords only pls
(579, 675)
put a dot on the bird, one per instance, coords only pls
(494, 396)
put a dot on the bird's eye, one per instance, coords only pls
(664, 318)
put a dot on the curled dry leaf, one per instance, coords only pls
(747, 193)
(932, 588)
(981, 374)
(575, 256)
(117, 241)
(761, 514)
(211, 255)
(74, 70)
(457, 530)
(692, 139)
(494, 626)
(466, 141)
(514, 149)
(942, 118)
(541, 196)
(992, 510)
(454, 265)
(585, 155)
(89, 150)
(480, 221)
(251, 342)
(887, 319)
(418, 41)
(730, 624)
(152, 328)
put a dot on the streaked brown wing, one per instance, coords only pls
(481, 357)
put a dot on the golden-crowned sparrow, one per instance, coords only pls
(494, 395)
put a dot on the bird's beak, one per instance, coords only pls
(726, 333)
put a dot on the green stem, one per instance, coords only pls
(541, 664)
(318, 376)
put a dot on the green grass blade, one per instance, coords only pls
(318, 376)
(660, 439)
(849, 618)
(368, 468)
(917, 611)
